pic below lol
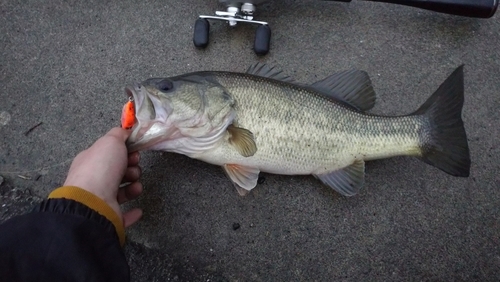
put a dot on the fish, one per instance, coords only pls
(264, 121)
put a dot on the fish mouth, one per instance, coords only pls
(150, 126)
(134, 141)
(138, 101)
(131, 93)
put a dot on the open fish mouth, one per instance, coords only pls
(151, 126)
(138, 101)
(131, 92)
(134, 142)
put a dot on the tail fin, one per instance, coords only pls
(445, 143)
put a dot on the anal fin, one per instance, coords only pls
(347, 181)
(244, 178)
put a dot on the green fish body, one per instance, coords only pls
(264, 121)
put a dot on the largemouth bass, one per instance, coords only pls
(262, 120)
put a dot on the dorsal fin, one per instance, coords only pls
(353, 87)
(261, 69)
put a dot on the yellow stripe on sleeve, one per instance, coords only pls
(92, 201)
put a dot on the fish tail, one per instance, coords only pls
(444, 143)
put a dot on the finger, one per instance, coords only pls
(131, 217)
(129, 192)
(133, 158)
(119, 133)
(133, 173)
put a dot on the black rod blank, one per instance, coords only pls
(466, 8)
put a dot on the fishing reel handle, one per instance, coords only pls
(466, 8)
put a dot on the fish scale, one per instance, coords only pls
(307, 131)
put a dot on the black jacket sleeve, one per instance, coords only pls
(61, 240)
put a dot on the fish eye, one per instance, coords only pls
(165, 85)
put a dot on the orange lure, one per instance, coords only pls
(128, 114)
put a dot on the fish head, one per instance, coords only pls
(182, 114)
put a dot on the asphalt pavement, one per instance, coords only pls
(63, 69)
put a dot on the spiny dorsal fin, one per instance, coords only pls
(244, 178)
(348, 181)
(242, 140)
(264, 70)
(353, 87)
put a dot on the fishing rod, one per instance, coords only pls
(465, 8)
(242, 11)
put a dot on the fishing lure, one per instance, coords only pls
(128, 114)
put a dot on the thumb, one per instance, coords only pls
(119, 133)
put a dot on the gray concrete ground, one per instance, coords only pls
(64, 64)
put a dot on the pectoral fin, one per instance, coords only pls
(244, 178)
(242, 140)
(347, 181)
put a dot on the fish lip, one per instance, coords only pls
(131, 91)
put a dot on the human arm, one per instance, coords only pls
(77, 233)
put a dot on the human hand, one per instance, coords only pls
(101, 168)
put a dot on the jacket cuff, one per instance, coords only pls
(95, 203)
